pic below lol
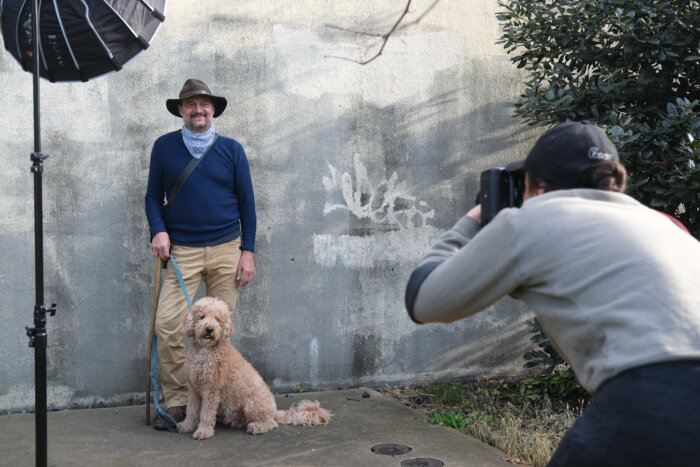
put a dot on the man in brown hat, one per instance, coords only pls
(209, 228)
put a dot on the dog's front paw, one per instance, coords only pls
(203, 433)
(186, 426)
(258, 428)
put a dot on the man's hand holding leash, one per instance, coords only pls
(160, 245)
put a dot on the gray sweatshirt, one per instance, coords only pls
(615, 284)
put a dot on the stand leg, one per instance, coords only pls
(149, 360)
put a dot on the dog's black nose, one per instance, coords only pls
(209, 330)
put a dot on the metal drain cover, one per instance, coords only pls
(391, 449)
(422, 462)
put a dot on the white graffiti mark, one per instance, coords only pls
(313, 360)
(387, 203)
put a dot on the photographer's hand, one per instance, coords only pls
(475, 213)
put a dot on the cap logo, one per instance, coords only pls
(595, 153)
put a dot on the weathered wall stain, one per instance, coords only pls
(366, 355)
(309, 68)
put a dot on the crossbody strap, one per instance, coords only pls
(188, 171)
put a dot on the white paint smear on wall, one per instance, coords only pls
(407, 66)
(313, 360)
(353, 251)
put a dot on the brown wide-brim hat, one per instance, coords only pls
(191, 88)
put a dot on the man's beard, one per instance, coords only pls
(198, 127)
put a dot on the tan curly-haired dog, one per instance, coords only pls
(223, 384)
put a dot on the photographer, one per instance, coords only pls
(615, 285)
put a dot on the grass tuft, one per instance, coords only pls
(500, 413)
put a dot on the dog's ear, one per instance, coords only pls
(189, 324)
(228, 328)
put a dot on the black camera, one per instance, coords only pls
(500, 189)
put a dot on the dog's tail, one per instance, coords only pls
(305, 413)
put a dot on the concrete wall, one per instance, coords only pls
(357, 169)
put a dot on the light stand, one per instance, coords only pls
(37, 334)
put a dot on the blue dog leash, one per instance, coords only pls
(166, 420)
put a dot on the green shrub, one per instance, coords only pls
(562, 384)
(559, 383)
(548, 356)
(631, 66)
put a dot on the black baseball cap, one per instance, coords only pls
(560, 156)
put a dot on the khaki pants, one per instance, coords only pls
(216, 265)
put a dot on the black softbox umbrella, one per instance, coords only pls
(80, 39)
(67, 40)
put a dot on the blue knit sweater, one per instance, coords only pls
(214, 206)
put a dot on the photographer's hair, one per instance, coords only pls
(605, 175)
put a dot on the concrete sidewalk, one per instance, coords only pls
(118, 436)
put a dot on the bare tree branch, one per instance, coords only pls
(360, 33)
(384, 37)
(420, 18)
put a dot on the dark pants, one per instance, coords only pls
(646, 416)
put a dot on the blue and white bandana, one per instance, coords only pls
(197, 143)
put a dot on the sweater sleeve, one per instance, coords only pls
(463, 273)
(155, 193)
(246, 201)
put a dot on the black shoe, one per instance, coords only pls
(177, 413)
